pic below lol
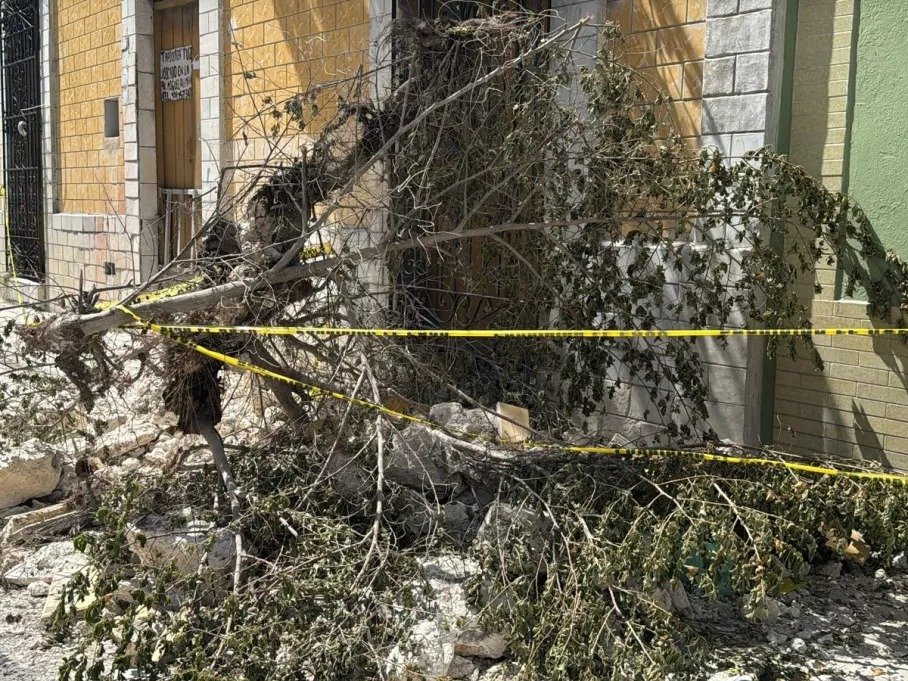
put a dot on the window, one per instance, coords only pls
(112, 117)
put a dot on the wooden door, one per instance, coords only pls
(177, 117)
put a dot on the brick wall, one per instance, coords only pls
(665, 41)
(89, 167)
(279, 48)
(858, 406)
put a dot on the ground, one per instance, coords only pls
(854, 626)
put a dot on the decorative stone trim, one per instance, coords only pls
(211, 56)
(139, 152)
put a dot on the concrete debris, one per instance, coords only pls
(52, 519)
(900, 562)
(504, 525)
(443, 645)
(58, 559)
(418, 458)
(126, 438)
(28, 471)
(462, 421)
(159, 543)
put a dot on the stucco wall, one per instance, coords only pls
(858, 406)
(879, 137)
(89, 166)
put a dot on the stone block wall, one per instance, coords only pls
(79, 244)
(88, 166)
(737, 75)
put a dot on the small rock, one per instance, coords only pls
(900, 562)
(460, 667)
(38, 589)
(505, 671)
(879, 574)
(798, 645)
(130, 464)
(476, 643)
(794, 611)
(443, 412)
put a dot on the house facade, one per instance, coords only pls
(126, 120)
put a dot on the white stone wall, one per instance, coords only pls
(736, 78)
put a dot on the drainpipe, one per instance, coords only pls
(783, 146)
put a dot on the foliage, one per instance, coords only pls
(619, 536)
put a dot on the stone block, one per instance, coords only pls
(741, 113)
(738, 33)
(719, 76)
(747, 141)
(752, 72)
(715, 8)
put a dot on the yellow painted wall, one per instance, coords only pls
(666, 43)
(90, 170)
(858, 406)
(280, 48)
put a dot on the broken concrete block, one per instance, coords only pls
(55, 595)
(514, 427)
(56, 518)
(126, 438)
(158, 543)
(59, 559)
(418, 459)
(28, 471)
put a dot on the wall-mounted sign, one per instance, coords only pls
(176, 74)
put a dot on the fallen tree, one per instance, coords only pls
(513, 191)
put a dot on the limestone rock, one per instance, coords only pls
(157, 543)
(38, 589)
(28, 471)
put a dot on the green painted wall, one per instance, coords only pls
(878, 157)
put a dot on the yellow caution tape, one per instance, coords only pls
(528, 333)
(635, 452)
